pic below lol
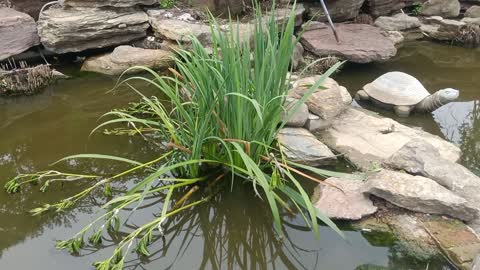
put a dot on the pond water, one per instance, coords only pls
(232, 231)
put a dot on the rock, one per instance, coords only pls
(328, 102)
(456, 240)
(412, 237)
(473, 12)
(348, 203)
(297, 57)
(108, 3)
(222, 7)
(367, 139)
(395, 36)
(283, 14)
(418, 193)
(441, 29)
(471, 21)
(189, 15)
(18, 32)
(31, 7)
(476, 263)
(301, 146)
(443, 8)
(124, 57)
(79, 29)
(398, 22)
(299, 118)
(314, 25)
(418, 157)
(360, 43)
(386, 7)
(340, 10)
(315, 123)
(181, 31)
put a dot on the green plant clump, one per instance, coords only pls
(219, 123)
(167, 3)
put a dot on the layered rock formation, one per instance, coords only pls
(79, 29)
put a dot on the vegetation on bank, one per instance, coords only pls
(219, 124)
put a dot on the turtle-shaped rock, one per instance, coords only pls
(404, 94)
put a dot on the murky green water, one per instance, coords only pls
(232, 231)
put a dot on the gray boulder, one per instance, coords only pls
(108, 3)
(473, 12)
(303, 147)
(315, 123)
(124, 57)
(420, 194)
(299, 118)
(418, 157)
(360, 43)
(443, 8)
(397, 22)
(327, 102)
(367, 140)
(18, 32)
(343, 199)
(79, 29)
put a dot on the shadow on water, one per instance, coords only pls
(232, 231)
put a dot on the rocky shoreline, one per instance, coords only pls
(411, 179)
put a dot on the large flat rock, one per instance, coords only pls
(419, 194)
(18, 32)
(359, 43)
(347, 202)
(79, 29)
(367, 139)
(124, 57)
(301, 146)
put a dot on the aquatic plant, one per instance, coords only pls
(218, 126)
